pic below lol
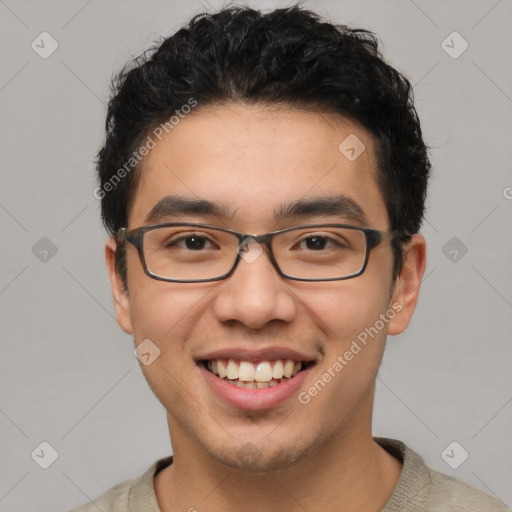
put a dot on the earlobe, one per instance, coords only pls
(407, 286)
(119, 294)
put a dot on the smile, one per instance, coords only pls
(255, 375)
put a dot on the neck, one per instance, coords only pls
(349, 473)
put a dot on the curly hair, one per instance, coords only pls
(288, 56)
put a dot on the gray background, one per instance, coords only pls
(67, 372)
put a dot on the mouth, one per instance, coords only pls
(255, 374)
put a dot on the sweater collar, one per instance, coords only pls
(414, 478)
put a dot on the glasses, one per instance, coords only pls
(185, 252)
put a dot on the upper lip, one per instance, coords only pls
(262, 354)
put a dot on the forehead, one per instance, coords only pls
(251, 163)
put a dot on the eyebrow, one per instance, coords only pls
(174, 206)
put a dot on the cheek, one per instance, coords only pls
(163, 312)
(166, 316)
(343, 310)
(342, 391)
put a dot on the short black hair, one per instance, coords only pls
(288, 56)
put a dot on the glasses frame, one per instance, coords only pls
(135, 237)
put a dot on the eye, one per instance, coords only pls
(320, 242)
(192, 242)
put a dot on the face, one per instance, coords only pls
(256, 161)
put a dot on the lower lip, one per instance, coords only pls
(254, 399)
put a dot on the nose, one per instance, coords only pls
(255, 294)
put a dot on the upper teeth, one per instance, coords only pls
(264, 371)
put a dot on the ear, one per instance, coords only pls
(407, 285)
(119, 294)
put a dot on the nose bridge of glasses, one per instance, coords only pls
(256, 240)
(259, 243)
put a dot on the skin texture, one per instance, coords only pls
(319, 456)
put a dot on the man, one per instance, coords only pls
(263, 180)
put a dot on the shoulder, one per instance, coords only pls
(423, 489)
(131, 495)
(457, 496)
(116, 499)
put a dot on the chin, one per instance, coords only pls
(259, 456)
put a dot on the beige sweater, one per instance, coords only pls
(419, 489)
